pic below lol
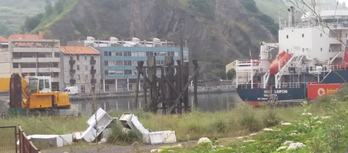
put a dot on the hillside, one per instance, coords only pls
(216, 32)
(14, 12)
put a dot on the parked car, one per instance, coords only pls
(73, 90)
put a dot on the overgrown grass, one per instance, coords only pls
(321, 128)
(47, 124)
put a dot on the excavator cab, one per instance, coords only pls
(39, 84)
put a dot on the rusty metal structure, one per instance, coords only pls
(165, 87)
(15, 140)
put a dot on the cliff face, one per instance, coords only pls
(216, 31)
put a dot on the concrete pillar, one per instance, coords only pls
(115, 85)
(104, 85)
(127, 84)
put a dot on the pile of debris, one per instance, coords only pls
(131, 122)
(99, 129)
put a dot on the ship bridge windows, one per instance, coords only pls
(335, 48)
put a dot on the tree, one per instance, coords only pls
(231, 74)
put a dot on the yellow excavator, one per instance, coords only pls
(33, 93)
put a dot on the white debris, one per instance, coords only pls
(282, 148)
(240, 137)
(204, 140)
(285, 123)
(286, 143)
(252, 134)
(52, 140)
(268, 129)
(130, 121)
(97, 124)
(295, 146)
(306, 114)
(293, 134)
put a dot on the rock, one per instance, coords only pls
(204, 140)
(247, 141)
(295, 146)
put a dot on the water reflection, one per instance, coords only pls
(206, 102)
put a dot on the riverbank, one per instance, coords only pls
(200, 90)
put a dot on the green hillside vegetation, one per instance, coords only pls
(52, 14)
(274, 8)
(14, 12)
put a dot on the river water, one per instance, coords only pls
(206, 102)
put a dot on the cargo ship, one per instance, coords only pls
(310, 60)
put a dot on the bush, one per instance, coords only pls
(118, 136)
(248, 119)
(270, 118)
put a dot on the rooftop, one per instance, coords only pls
(25, 37)
(3, 40)
(78, 50)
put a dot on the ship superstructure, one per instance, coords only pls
(310, 54)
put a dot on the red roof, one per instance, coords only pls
(2, 39)
(25, 37)
(78, 50)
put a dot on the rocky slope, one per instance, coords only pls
(216, 31)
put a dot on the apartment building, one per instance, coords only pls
(5, 58)
(32, 55)
(119, 59)
(81, 67)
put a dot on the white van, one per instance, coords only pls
(72, 90)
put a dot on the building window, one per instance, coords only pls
(78, 57)
(15, 65)
(149, 54)
(106, 63)
(86, 68)
(109, 53)
(86, 58)
(105, 53)
(302, 35)
(79, 77)
(78, 67)
(321, 49)
(127, 72)
(118, 53)
(56, 55)
(321, 35)
(127, 54)
(83, 89)
(127, 62)
(287, 36)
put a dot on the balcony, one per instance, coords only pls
(72, 82)
(93, 71)
(93, 61)
(72, 62)
(93, 81)
(72, 71)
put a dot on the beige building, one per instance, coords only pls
(81, 68)
(31, 55)
(5, 58)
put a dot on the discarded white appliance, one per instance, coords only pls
(130, 121)
(52, 140)
(98, 122)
